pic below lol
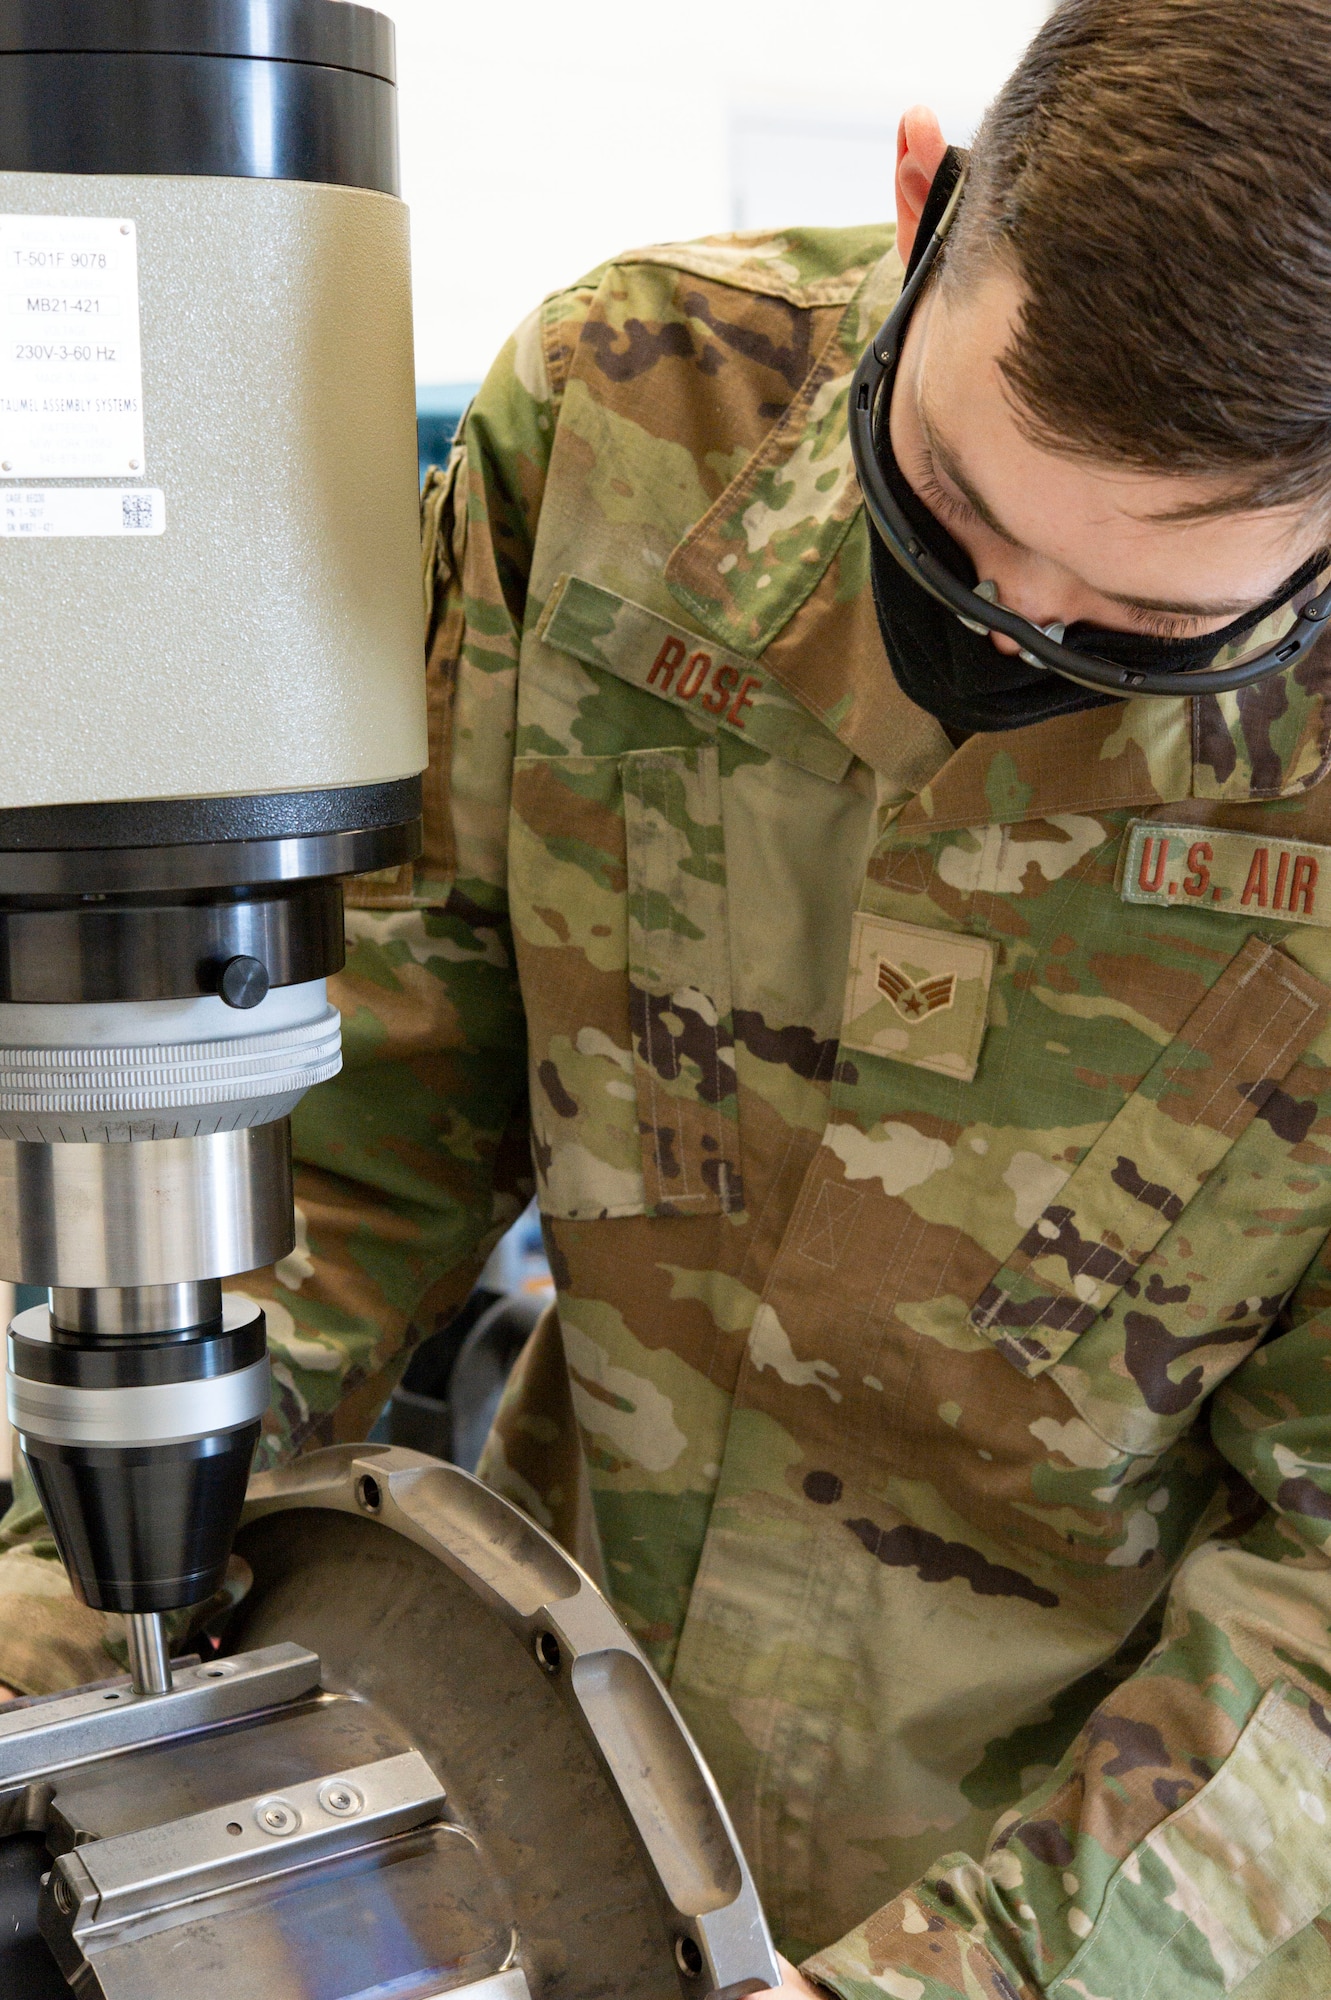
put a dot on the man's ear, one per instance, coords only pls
(920, 150)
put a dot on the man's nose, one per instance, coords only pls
(1037, 598)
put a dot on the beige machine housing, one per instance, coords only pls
(270, 639)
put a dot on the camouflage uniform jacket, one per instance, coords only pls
(935, 1152)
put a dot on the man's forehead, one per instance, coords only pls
(1125, 532)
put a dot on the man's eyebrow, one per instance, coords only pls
(946, 460)
(1229, 607)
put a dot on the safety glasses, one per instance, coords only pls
(1281, 638)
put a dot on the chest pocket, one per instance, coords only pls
(618, 881)
(1134, 1337)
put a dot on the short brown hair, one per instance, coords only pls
(1158, 175)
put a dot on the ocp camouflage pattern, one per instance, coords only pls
(941, 1384)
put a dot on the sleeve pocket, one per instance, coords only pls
(1226, 1880)
(1153, 1156)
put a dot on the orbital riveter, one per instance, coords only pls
(214, 710)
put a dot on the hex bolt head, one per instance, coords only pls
(340, 1798)
(243, 982)
(275, 1816)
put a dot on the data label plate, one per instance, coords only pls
(71, 376)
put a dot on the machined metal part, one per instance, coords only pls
(166, 947)
(482, 1789)
(122, 1312)
(148, 1413)
(511, 1985)
(149, 1661)
(246, 1840)
(154, 1212)
(26, 870)
(162, 1069)
(388, 1561)
(56, 1732)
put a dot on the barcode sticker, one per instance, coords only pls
(35, 511)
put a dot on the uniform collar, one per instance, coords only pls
(1270, 741)
(763, 545)
(768, 541)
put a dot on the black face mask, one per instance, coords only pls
(959, 676)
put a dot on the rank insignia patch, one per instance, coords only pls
(1214, 868)
(917, 995)
(914, 1001)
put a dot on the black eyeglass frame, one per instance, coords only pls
(876, 374)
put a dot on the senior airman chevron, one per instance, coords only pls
(1243, 874)
(917, 995)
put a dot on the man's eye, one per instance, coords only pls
(1159, 624)
(936, 498)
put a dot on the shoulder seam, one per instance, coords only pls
(835, 291)
(558, 356)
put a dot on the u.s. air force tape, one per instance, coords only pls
(1241, 874)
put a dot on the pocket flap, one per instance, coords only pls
(1153, 1156)
(720, 690)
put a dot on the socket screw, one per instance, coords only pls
(243, 982)
(340, 1798)
(276, 1816)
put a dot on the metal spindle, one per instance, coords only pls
(149, 1664)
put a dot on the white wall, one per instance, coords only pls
(537, 140)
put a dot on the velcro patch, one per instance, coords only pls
(1213, 868)
(719, 689)
(916, 995)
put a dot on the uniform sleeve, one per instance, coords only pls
(412, 1162)
(1183, 1848)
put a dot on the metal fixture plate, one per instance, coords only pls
(55, 1731)
(504, 1986)
(105, 1882)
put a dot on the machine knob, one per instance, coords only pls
(244, 982)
